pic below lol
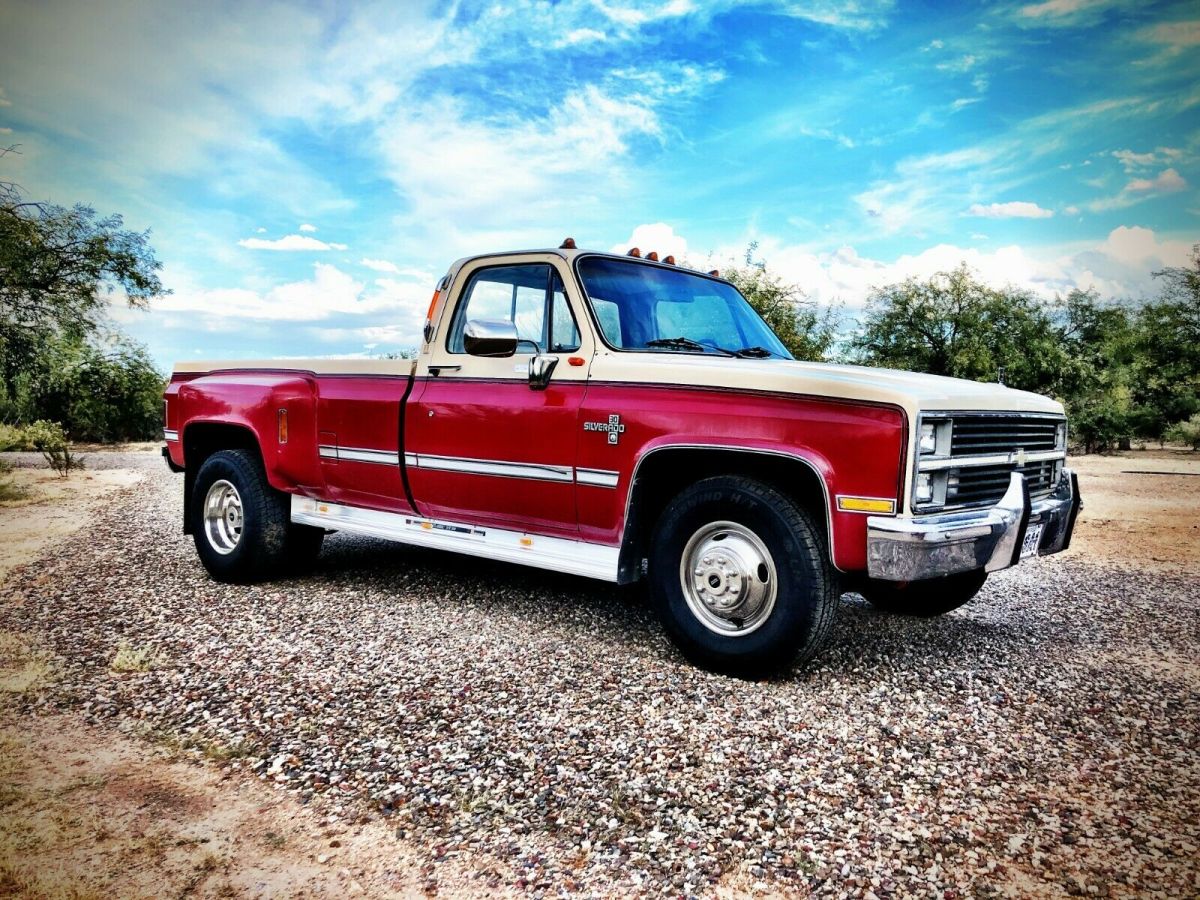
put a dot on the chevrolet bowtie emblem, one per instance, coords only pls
(613, 426)
(1018, 457)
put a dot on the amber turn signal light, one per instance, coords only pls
(282, 420)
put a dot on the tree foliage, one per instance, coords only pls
(1122, 371)
(807, 331)
(60, 359)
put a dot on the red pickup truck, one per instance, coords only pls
(624, 418)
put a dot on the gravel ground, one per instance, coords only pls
(1042, 740)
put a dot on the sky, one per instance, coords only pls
(308, 171)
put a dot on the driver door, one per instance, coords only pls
(481, 444)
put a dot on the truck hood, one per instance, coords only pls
(911, 391)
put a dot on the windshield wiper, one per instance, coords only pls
(682, 343)
(752, 353)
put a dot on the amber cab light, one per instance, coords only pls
(634, 251)
(567, 244)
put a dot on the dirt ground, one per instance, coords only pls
(1141, 509)
(92, 813)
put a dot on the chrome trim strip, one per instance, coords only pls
(170, 434)
(993, 459)
(535, 471)
(359, 454)
(597, 477)
(556, 554)
(410, 459)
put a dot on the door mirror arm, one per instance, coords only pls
(540, 370)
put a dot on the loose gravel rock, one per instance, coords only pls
(1043, 739)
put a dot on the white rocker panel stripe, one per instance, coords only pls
(597, 477)
(490, 467)
(556, 554)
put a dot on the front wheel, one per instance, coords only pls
(928, 598)
(740, 577)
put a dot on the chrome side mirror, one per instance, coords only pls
(490, 337)
(540, 370)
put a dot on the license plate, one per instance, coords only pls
(1033, 537)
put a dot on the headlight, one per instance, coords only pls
(928, 441)
(1060, 436)
(924, 491)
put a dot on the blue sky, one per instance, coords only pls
(308, 171)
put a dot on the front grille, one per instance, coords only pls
(987, 484)
(998, 440)
(985, 435)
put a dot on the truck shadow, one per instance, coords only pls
(862, 638)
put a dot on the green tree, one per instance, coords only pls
(953, 324)
(1168, 383)
(60, 269)
(807, 331)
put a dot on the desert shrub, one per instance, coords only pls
(14, 437)
(8, 489)
(1186, 432)
(50, 440)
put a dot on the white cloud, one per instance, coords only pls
(260, 231)
(1065, 13)
(578, 36)
(1133, 162)
(379, 265)
(1016, 209)
(330, 292)
(1118, 267)
(1168, 181)
(307, 227)
(509, 176)
(292, 242)
(659, 237)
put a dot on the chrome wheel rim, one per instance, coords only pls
(223, 517)
(728, 578)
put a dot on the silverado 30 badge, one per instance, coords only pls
(613, 426)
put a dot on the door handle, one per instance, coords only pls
(436, 370)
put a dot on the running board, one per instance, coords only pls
(556, 554)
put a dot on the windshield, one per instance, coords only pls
(641, 307)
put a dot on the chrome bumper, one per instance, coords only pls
(929, 546)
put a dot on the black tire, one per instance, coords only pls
(806, 593)
(933, 597)
(254, 544)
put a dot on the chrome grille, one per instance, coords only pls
(977, 452)
(987, 484)
(984, 435)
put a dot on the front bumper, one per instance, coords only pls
(914, 549)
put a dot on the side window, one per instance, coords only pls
(609, 315)
(564, 333)
(521, 295)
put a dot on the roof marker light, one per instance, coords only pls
(567, 244)
(634, 251)
(652, 256)
(669, 260)
(716, 273)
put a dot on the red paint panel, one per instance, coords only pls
(252, 401)
(857, 448)
(503, 421)
(362, 412)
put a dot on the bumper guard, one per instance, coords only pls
(914, 549)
